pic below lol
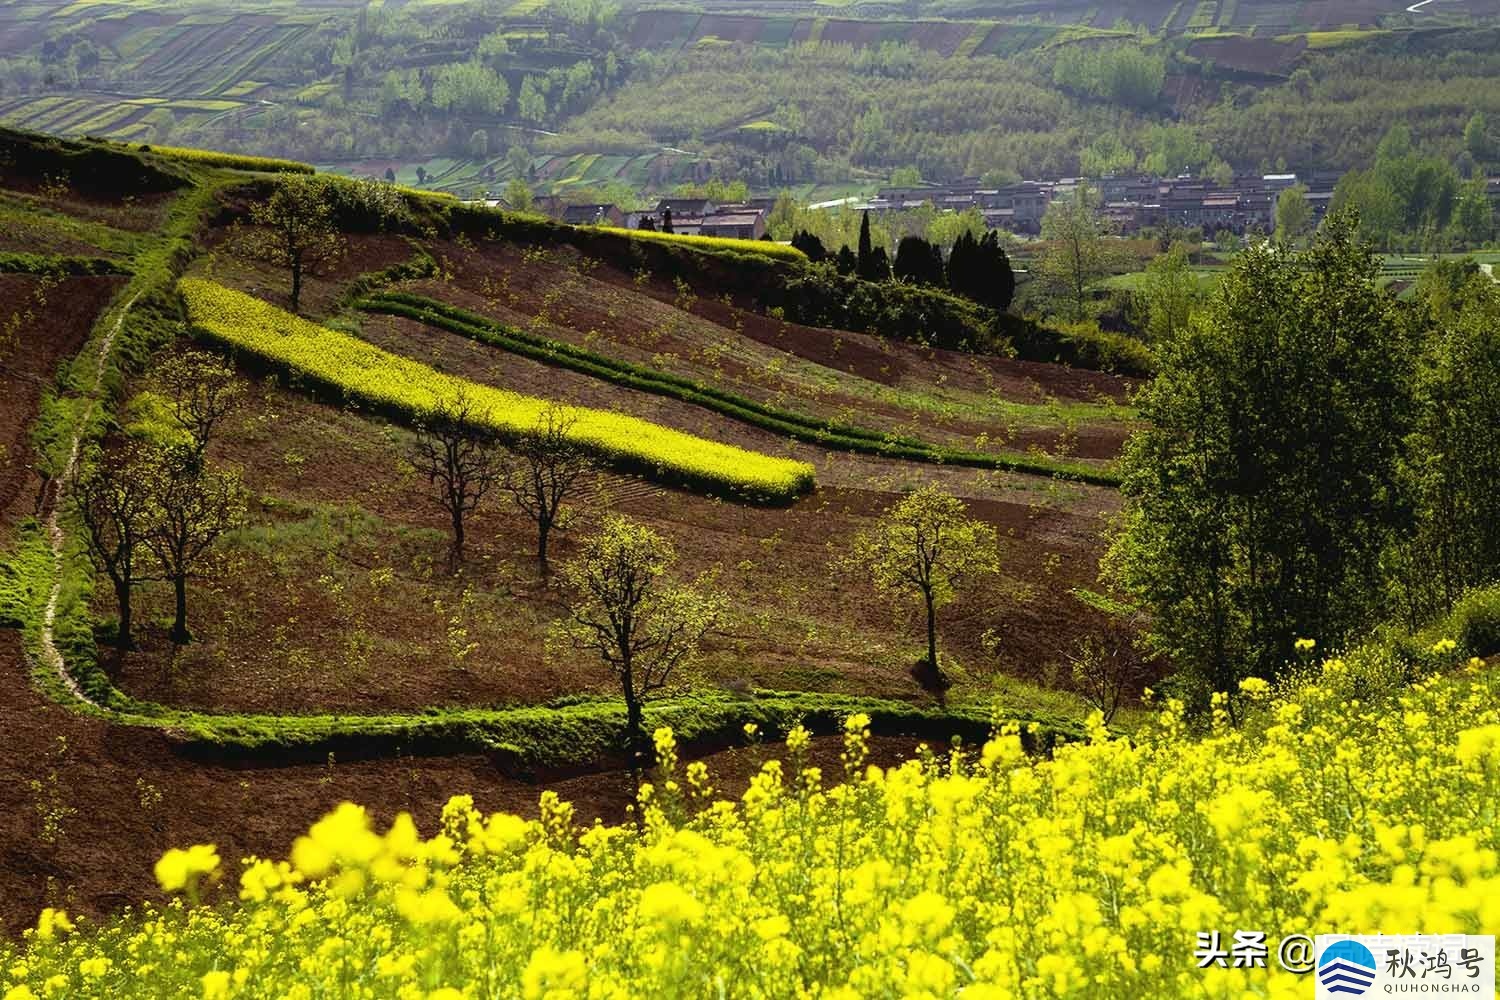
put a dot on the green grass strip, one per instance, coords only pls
(842, 437)
(41, 263)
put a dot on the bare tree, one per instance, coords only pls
(294, 229)
(1106, 668)
(461, 462)
(114, 502)
(642, 626)
(544, 469)
(201, 390)
(195, 507)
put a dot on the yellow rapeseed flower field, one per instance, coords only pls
(374, 377)
(1089, 874)
(765, 248)
(234, 161)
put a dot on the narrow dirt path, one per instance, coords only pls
(51, 655)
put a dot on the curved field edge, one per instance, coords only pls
(313, 356)
(576, 733)
(435, 313)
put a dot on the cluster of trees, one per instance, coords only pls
(154, 508)
(645, 627)
(625, 608)
(1333, 112)
(977, 269)
(1127, 75)
(1408, 196)
(1318, 457)
(463, 464)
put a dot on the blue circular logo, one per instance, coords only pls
(1346, 968)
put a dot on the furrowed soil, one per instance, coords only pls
(43, 322)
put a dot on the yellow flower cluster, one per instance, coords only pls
(981, 876)
(234, 161)
(366, 373)
(762, 248)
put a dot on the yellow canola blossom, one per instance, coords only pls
(1089, 873)
(374, 377)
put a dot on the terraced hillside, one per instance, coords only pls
(334, 644)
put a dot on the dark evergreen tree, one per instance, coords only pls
(963, 269)
(1000, 279)
(918, 262)
(666, 220)
(846, 262)
(980, 270)
(880, 266)
(810, 245)
(647, 223)
(865, 246)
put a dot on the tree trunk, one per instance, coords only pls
(458, 538)
(544, 530)
(296, 285)
(932, 636)
(635, 731)
(179, 626)
(122, 598)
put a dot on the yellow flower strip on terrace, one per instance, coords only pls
(378, 377)
(234, 161)
(1087, 875)
(765, 248)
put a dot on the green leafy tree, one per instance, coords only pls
(531, 102)
(1076, 252)
(200, 391)
(294, 229)
(1452, 464)
(1263, 490)
(1106, 156)
(1372, 199)
(1477, 138)
(1473, 215)
(518, 195)
(627, 610)
(929, 546)
(470, 88)
(905, 177)
(1293, 213)
(946, 227)
(1166, 297)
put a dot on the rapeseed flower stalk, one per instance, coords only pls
(1088, 873)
